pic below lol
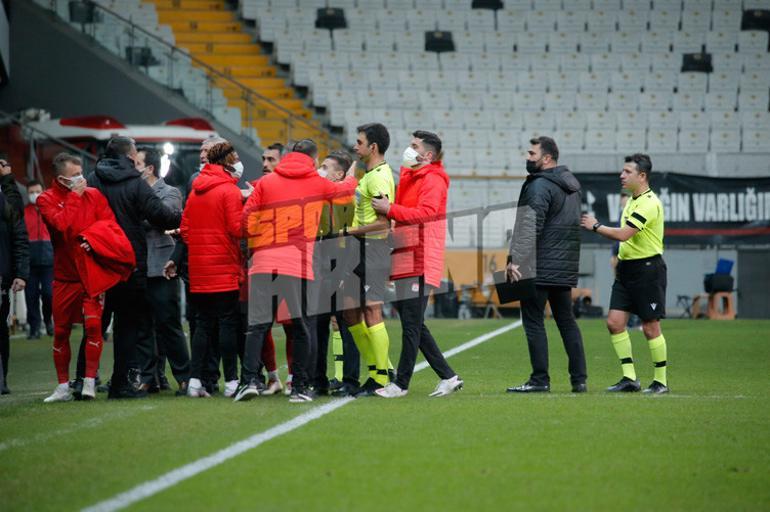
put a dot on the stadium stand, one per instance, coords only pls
(679, 79)
(575, 69)
(195, 46)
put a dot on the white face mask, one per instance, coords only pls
(201, 167)
(33, 197)
(410, 157)
(322, 172)
(237, 169)
(72, 182)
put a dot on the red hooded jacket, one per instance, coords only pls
(282, 214)
(211, 228)
(70, 219)
(420, 215)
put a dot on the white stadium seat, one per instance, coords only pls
(725, 141)
(663, 120)
(693, 121)
(661, 141)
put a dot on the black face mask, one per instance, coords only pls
(532, 167)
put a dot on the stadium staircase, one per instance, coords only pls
(212, 33)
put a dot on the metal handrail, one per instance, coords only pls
(248, 94)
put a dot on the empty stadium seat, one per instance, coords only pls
(693, 141)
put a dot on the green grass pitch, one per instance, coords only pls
(706, 446)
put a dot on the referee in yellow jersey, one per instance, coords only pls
(640, 279)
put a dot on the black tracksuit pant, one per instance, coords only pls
(411, 300)
(266, 292)
(130, 321)
(167, 337)
(533, 317)
(217, 314)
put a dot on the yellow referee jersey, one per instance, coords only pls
(645, 213)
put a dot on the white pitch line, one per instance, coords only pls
(178, 475)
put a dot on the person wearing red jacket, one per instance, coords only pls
(69, 208)
(211, 228)
(40, 265)
(281, 219)
(418, 258)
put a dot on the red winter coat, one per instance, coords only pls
(282, 214)
(420, 215)
(211, 228)
(69, 217)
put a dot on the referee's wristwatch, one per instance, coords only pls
(596, 226)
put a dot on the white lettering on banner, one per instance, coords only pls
(751, 205)
(723, 205)
(699, 207)
(748, 206)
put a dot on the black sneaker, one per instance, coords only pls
(368, 389)
(247, 391)
(4, 390)
(212, 388)
(528, 387)
(77, 389)
(182, 391)
(656, 388)
(580, 388)
(104, 388)
(134, 377)
(625, 385)
(150, 387)
(301, 395)
(391, 375)
(163, 383)
(126, 392)
(335, 384)
(347, 389)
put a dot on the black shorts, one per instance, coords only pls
(640, 288)
(367, 269)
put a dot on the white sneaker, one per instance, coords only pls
(230, 388)
(62, 393)
(447, 386)
(89, 389)
(273, 387)
(287, 388)
(391, 391)
(195, 389)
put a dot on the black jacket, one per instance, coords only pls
(548, 228)
(14, 244)
(132, 201)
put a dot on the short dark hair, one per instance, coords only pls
(306, 147)
(376, 133)
(152, 157)
(431, 140)
(32, 183)
(219, 152)
(642, 161)
(276, 146)
(61, 160)
(547, 146)
(342, 158)
(119, 146)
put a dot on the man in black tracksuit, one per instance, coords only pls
(133, 201)
(546, 246)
